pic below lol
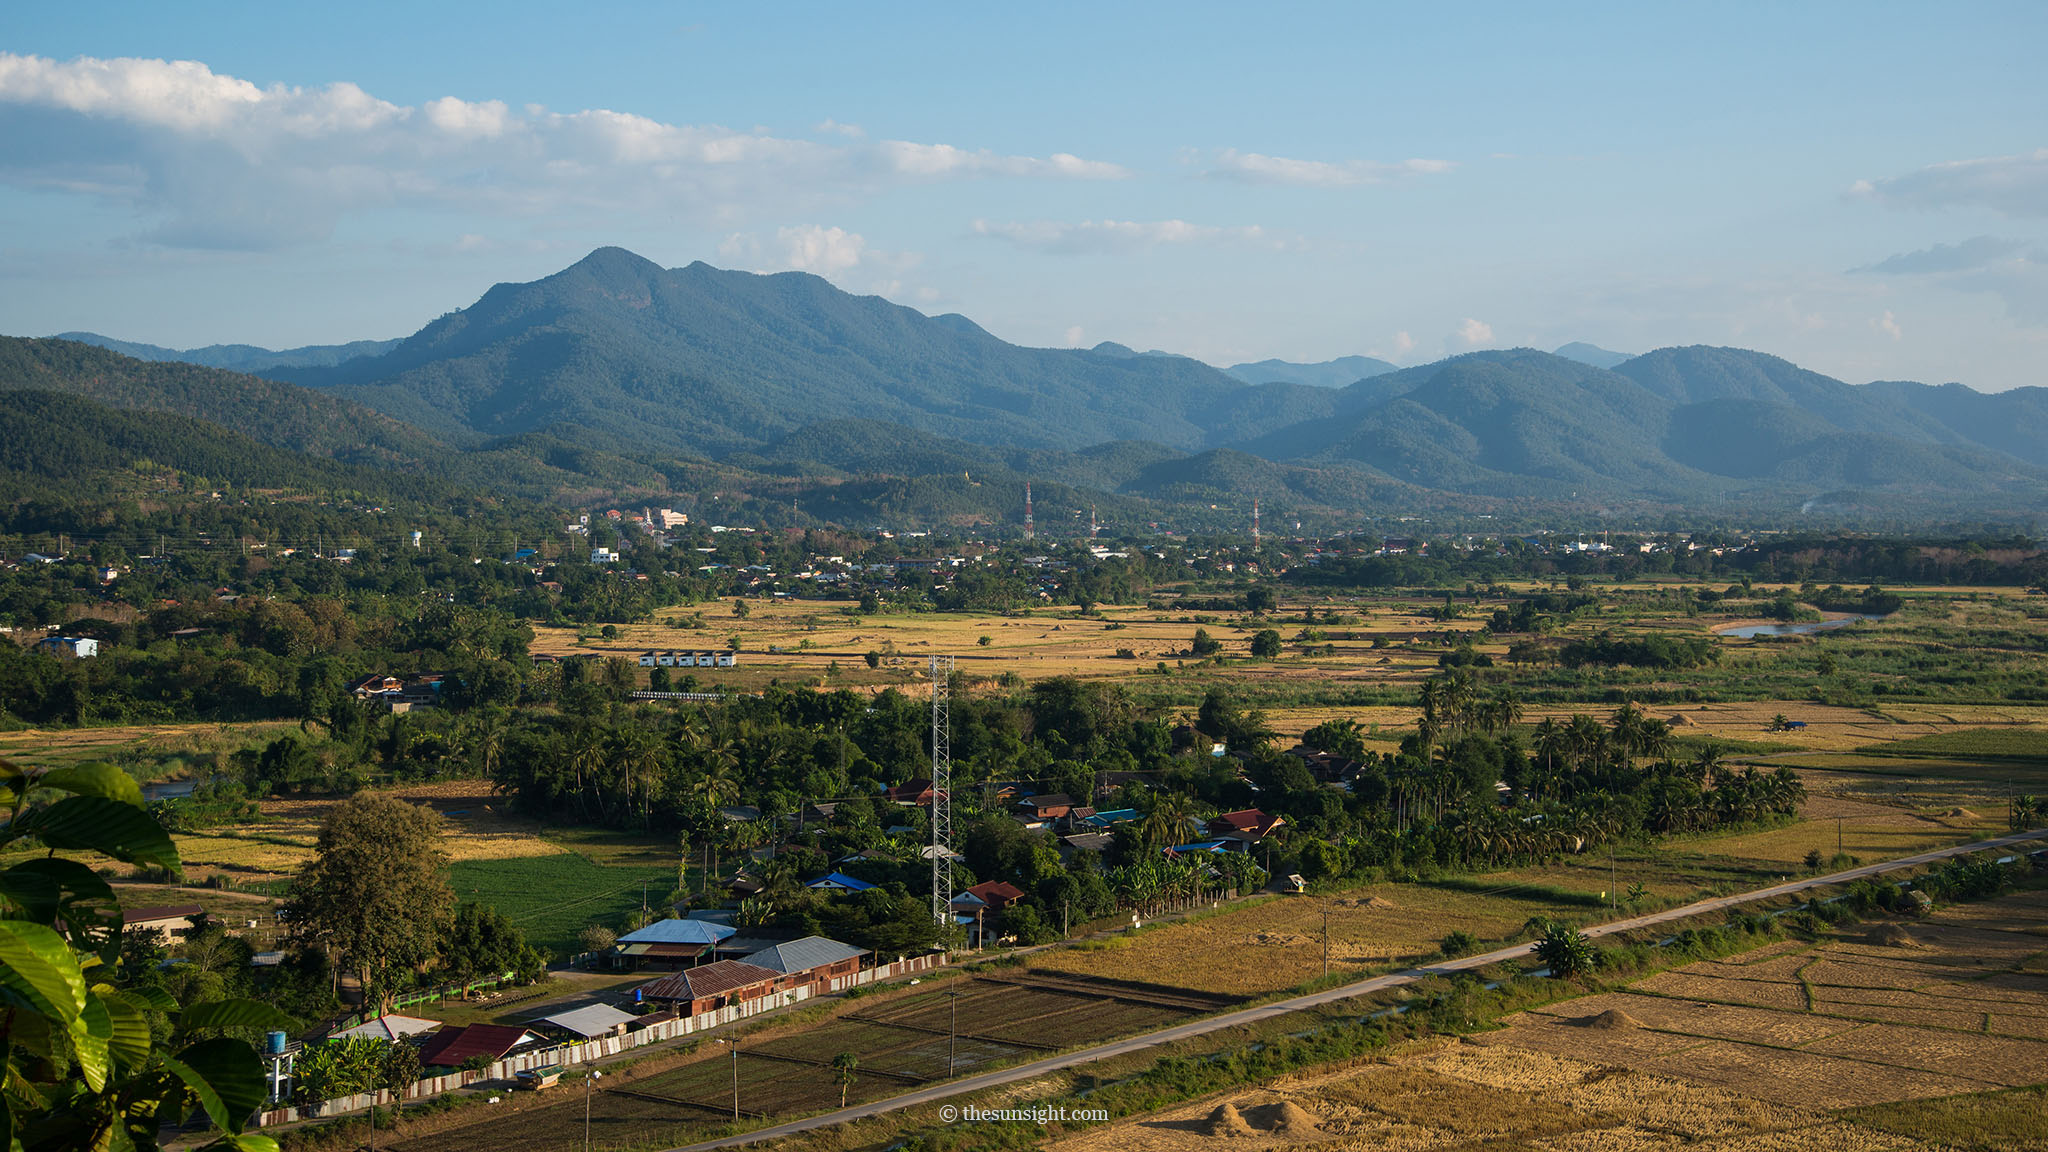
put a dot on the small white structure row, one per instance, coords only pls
(721, 658)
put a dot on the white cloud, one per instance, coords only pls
(2009, 270)
(836, 128)
(1472, 333)
(945, 160)
(1074, 336)
(1115, 235)
(1976, 252)
(1403, 344)
(216, 161)
(1889, 325)
(1258, 168)
(834, 253)
(2012, 185)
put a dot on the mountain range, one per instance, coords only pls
(616, 371)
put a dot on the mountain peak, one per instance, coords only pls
(613, 263)
(1592, 354)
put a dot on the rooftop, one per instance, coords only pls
(803, 955)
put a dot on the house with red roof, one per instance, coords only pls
(719, 984)
(454, 1047)
(1249, 826)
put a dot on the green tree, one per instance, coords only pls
(845, 1065)
(1266, 644)
(1260, 599)
(398, 1069)
(374, 893)
(84, 1067)
(1566, 951)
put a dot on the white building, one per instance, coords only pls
(76, 647)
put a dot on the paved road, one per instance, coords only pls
(1208, 1024)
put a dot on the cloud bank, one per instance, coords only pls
(1258, 168)
(214, 161)
(2011, 185)
(1086, 236)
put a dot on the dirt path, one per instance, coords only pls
(1210, 1024)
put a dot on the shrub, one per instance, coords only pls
(1566, 951)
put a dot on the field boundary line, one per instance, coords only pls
(1366, 987)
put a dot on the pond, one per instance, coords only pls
(169, 790)
(1752, 631)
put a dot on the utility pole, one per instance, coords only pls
(942, 791)
(953, 1036)
(1326, 943)
(735, 1080)
(589, 1076)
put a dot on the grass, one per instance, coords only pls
(552, 898)
(1278, 944)
(2007, 1121)
(2029, 745)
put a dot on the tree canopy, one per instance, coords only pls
(375, 892)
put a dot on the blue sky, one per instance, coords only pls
(1860, 188)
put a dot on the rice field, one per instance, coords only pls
(1724, 1055)
(1278, 944)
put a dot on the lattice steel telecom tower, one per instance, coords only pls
(942, 791)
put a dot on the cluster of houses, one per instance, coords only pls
(811, 966)
(713, 658)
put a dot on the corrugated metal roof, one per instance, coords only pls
(715, 978)
(840, 880)
(456, 1045)
(390, 1027)
(805, 954)
(590, 1020)
(678, 932)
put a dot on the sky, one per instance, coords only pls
(1861, 188)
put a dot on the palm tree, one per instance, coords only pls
(1167, 823)
(846, 1064)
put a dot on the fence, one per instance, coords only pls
(582, 1052)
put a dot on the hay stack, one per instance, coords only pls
(1228, 1121)
(1962, 813)
(1612, 1020)
(1892, 936)
(1296, 1120)
(1678, 721)
(1377, 902)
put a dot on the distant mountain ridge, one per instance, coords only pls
(1328, 374)
(1592, 354)
(700, 359)
(619, 368)
(240, 357)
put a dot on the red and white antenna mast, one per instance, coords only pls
(1255, 521)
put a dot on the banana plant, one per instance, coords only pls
(82, 1068)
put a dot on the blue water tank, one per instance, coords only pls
(275, 1044)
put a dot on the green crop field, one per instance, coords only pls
(1971, 743)
(553, 897)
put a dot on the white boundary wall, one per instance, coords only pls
(564, 1055)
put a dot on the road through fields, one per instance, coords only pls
(1210, 1024)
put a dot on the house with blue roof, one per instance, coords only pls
(668, 943)
(838, 882)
